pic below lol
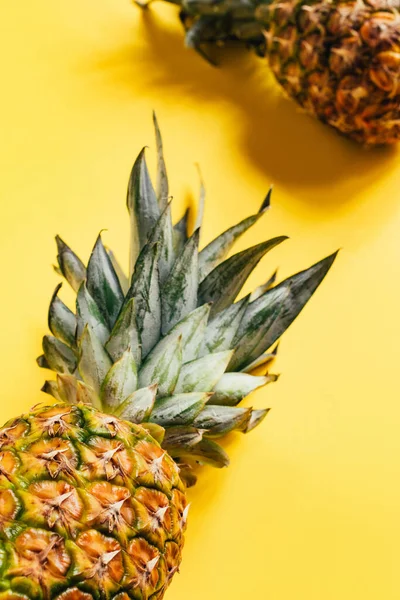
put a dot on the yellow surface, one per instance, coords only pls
(309, 509)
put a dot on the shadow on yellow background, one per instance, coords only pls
(274, 134)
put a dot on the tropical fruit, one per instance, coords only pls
(150, 371)
(338, 59)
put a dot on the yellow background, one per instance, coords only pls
(309, 509)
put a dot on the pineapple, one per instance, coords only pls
(150, 371)
(340, 60)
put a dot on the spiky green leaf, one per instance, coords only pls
(62, 321)
(59, 356)
(179, 294)
(205, 452)
(120, 381)
(281, 304)
(217, 250)
(257, 416)
(181, 234)
(42, 362)
(162, 177)
(145, 290)
(179, 409)
(180, 438)
(94, 362)
(89, 314)
(70, 265)
(249, 340)
(224, 283)
(67, 386)
(142, 206)
(122, 277)
(163, 365)
(203, 373)
(138, 406)
(220, 420)
(192, 328)
(222, 329)
(162, 234)
(103, 284)
(125, 334)
(86, 395)
(233, 387)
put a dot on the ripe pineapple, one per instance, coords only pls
(149, 373)
(340, 60)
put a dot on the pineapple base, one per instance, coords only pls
(90, 507)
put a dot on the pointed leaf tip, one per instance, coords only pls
(142, 205)
(267, 201)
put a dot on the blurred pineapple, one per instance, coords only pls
(340, 60)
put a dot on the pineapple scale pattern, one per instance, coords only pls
(90, 507)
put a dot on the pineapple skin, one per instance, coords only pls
(339, 60)
(90, 507)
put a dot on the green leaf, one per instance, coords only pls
(162, 234)
(179, 294)
(191, 328)
(222, 329)
(224, 283)
(42, 362)
(142, 205)
(71, 266)
(162, 177)
(179, 409)
(58, 355)
(202, 374)
(284, 302)
(138, 406)
(86, 395)
(122, 277)
(257, 416)
(89, 314)
(218, 248)
(162, 366)
(120, 381)
(180, 438)
(146, 292)
(62, 321)
(181, 235)
(220, 420)
(103, 284)
(125, 334)
(300, 288)
(249, 340)
(66, 385)
(94, 362)
(205, 452)
(233, 387)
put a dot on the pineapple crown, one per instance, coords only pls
(170, 347)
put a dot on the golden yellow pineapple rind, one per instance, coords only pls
(90, 507)
(339, 59)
